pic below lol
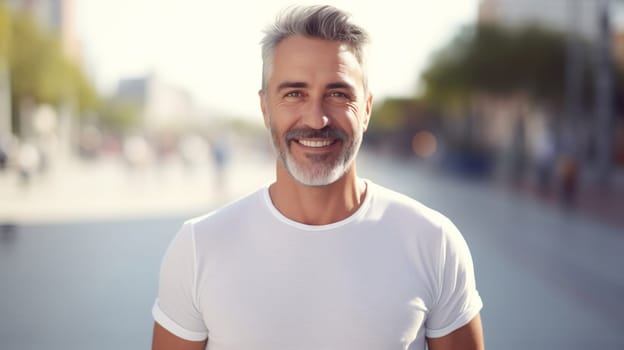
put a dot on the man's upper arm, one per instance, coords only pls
(162, 339)
(176, 308)
(467, 337)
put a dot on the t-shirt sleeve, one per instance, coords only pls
(458, 300)
(176, 308)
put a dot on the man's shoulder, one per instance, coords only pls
(235, 211)
(402, 208)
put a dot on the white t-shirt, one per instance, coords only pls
(247, 277)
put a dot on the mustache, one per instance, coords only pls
(328, 132)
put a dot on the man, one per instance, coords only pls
(320, 259)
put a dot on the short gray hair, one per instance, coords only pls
(318, 21)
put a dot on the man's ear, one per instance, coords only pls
(368, 111)
(263, 107)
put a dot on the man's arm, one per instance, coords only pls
(468, 337)
(165, 340)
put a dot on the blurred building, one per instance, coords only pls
(161, 105)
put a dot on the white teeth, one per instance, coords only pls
(315, 143)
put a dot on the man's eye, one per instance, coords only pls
(337, 94)
(293, 94)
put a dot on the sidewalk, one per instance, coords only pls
(606, 204)
(74, 190)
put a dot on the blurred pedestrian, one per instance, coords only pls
(567, 171)
(544, 154)
(28, 162)
(137, 153)
(194, 150)
(4, 157)
(319, 259)
(220, 157)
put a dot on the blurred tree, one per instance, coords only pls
(487, 68)
(5, 31)
(394, 113)
(395, 121)
(447, 80)
(87, 97)
(497, 61)
(117, 115)
(5, 98)
(33, 56)
(38, 67)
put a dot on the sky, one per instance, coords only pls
(212, 50)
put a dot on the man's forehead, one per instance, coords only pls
(315, 62)
(302, 40)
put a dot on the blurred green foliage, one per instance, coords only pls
(5, 32)
(503, 62)
(395, 112)
(498, 61)
(119, 115)
(485, 59)
(38, 68)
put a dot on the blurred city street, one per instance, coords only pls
(80, 252)
(506, 116)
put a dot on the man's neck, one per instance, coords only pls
(317, 205)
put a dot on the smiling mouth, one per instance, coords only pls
(316, 143)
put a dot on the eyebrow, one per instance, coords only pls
(300, 85)
(340, 85)
(290, 85)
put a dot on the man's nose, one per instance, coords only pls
(314, 115)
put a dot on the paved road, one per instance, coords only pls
(549, 279)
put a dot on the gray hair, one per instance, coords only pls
(321, 22)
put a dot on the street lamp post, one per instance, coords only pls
(604, 108)
(569, 126)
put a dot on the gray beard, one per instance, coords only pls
(322, 171)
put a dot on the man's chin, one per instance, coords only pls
(317, 179)
(317, 182)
